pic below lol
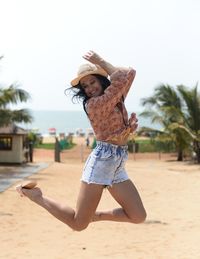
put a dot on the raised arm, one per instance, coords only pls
(111, 70)
(95, 59)
(121, 80)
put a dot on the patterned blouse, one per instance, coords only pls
(107, 113)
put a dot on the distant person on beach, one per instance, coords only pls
(103, 88)
(87, 140)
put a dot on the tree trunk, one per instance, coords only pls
(197, 150)
(180, 155)
(198, 155)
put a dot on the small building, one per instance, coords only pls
(13, 141)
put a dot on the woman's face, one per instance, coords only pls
(91, 86)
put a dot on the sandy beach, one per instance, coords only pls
(170, 191)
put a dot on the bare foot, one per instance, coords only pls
(29, 184)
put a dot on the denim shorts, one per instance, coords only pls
(105, 165)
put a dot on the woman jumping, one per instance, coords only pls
(103, 101)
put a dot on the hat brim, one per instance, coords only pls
(98, 71)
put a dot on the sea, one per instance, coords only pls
(67, 122)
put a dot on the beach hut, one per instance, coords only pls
(12, 144)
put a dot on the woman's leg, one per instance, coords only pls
(88, 200)
(131, 210)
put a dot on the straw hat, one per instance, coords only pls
(88, 69)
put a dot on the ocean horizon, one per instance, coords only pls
(67, 121)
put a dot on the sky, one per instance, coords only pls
(43, 42)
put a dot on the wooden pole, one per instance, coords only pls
(82, 153)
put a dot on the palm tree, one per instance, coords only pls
(13, 95)
(176, 111)
(191, 116)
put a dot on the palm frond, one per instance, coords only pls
(5, 117)
(9, 116)
(22, 115)
(175, 126)
(167, 96)
(151, 101)
(13, 95)
(191, 98)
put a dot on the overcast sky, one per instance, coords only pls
(43, 41)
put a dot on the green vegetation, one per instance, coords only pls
(52, 146)
(177, 110)
(150, 145)
(45, 146)
(13, 95)
(37, 140)
(65, 143)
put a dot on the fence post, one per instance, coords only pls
(82, 153)
(134, 150)
(57, 151)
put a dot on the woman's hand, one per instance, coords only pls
(93, 58)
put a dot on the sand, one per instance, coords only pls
(170, 191)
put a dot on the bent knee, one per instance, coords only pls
(80, 226)
(139, 218)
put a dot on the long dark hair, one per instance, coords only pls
(79, 93)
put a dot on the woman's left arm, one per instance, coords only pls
(98, 61)
(128, 74)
